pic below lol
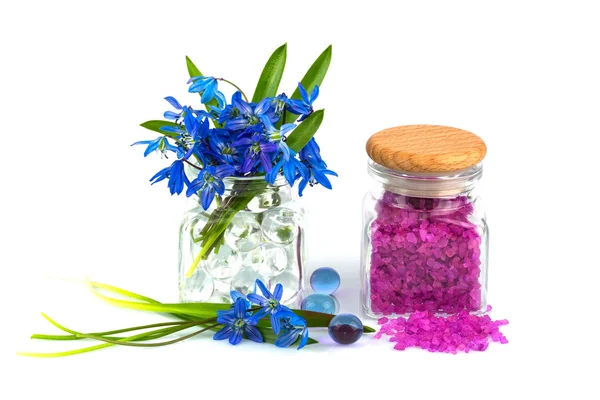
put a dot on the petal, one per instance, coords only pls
(236, 337)
(160, 175)
(141, 142)
(287, 338)
(303, 93)
(275, 323)
(199, 85)
(321, 178)
(260, 314)
(207, 196)
(278, 292)
(245, 108)
(263, 106)
(256, 299)
(173, 129)
(285, 128)
(304, 339)
(268, 147)
(264, 289)
(173, 102)
(302, 186)
(242, 142)
(297, 107)
(253, 333)
(236, 295)
(266, 162)
(226, 319)
(314, 94)
(224, 333)
(272, 175)
(239, 308)
(220, 99)
(224, 170)
(170, 115)
(236, 123)
(209, 92)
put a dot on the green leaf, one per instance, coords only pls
(305, 131)
(271, 75)
(155, 126)
(314, 76)
(191, 67)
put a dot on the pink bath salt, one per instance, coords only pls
(460, 332)
(425, 256)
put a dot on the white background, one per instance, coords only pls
(77, 79)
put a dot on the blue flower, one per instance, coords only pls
(292, 327)
(292, 170)
(160, 144)
(237, 324)
(270, 304)
(249, 113)
(176, 175)
(205, 85)
(279, 103)
(303, 107)
(277, 136)
(209, 182)
(224, 150)
(257, 150)
(311, 157)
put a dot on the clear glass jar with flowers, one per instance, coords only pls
(238, 161)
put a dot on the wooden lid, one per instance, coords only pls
(426, 148)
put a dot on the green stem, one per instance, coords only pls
(141, 336)
(235, 86)
(135, 328)
(127, 343)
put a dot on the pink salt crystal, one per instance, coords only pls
(382, 321)
(458, 332)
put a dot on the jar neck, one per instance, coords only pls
(236, 186)
(427, 185)
(262, 195)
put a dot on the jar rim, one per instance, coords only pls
(426, 184)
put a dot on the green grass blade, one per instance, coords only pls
(305, 131)
(270, 77)
(314, 76)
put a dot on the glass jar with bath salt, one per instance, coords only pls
(425, 237)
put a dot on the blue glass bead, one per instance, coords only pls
(317, 302)
(325, 280)
(345, 328)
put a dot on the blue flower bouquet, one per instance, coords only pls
(238, 161)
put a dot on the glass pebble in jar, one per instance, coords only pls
(425, 236)
(263, 239)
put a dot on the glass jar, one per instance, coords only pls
(425, 237)
(259, 231)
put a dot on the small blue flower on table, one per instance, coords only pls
(237, 324)
(270, 304)
(292, 327)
